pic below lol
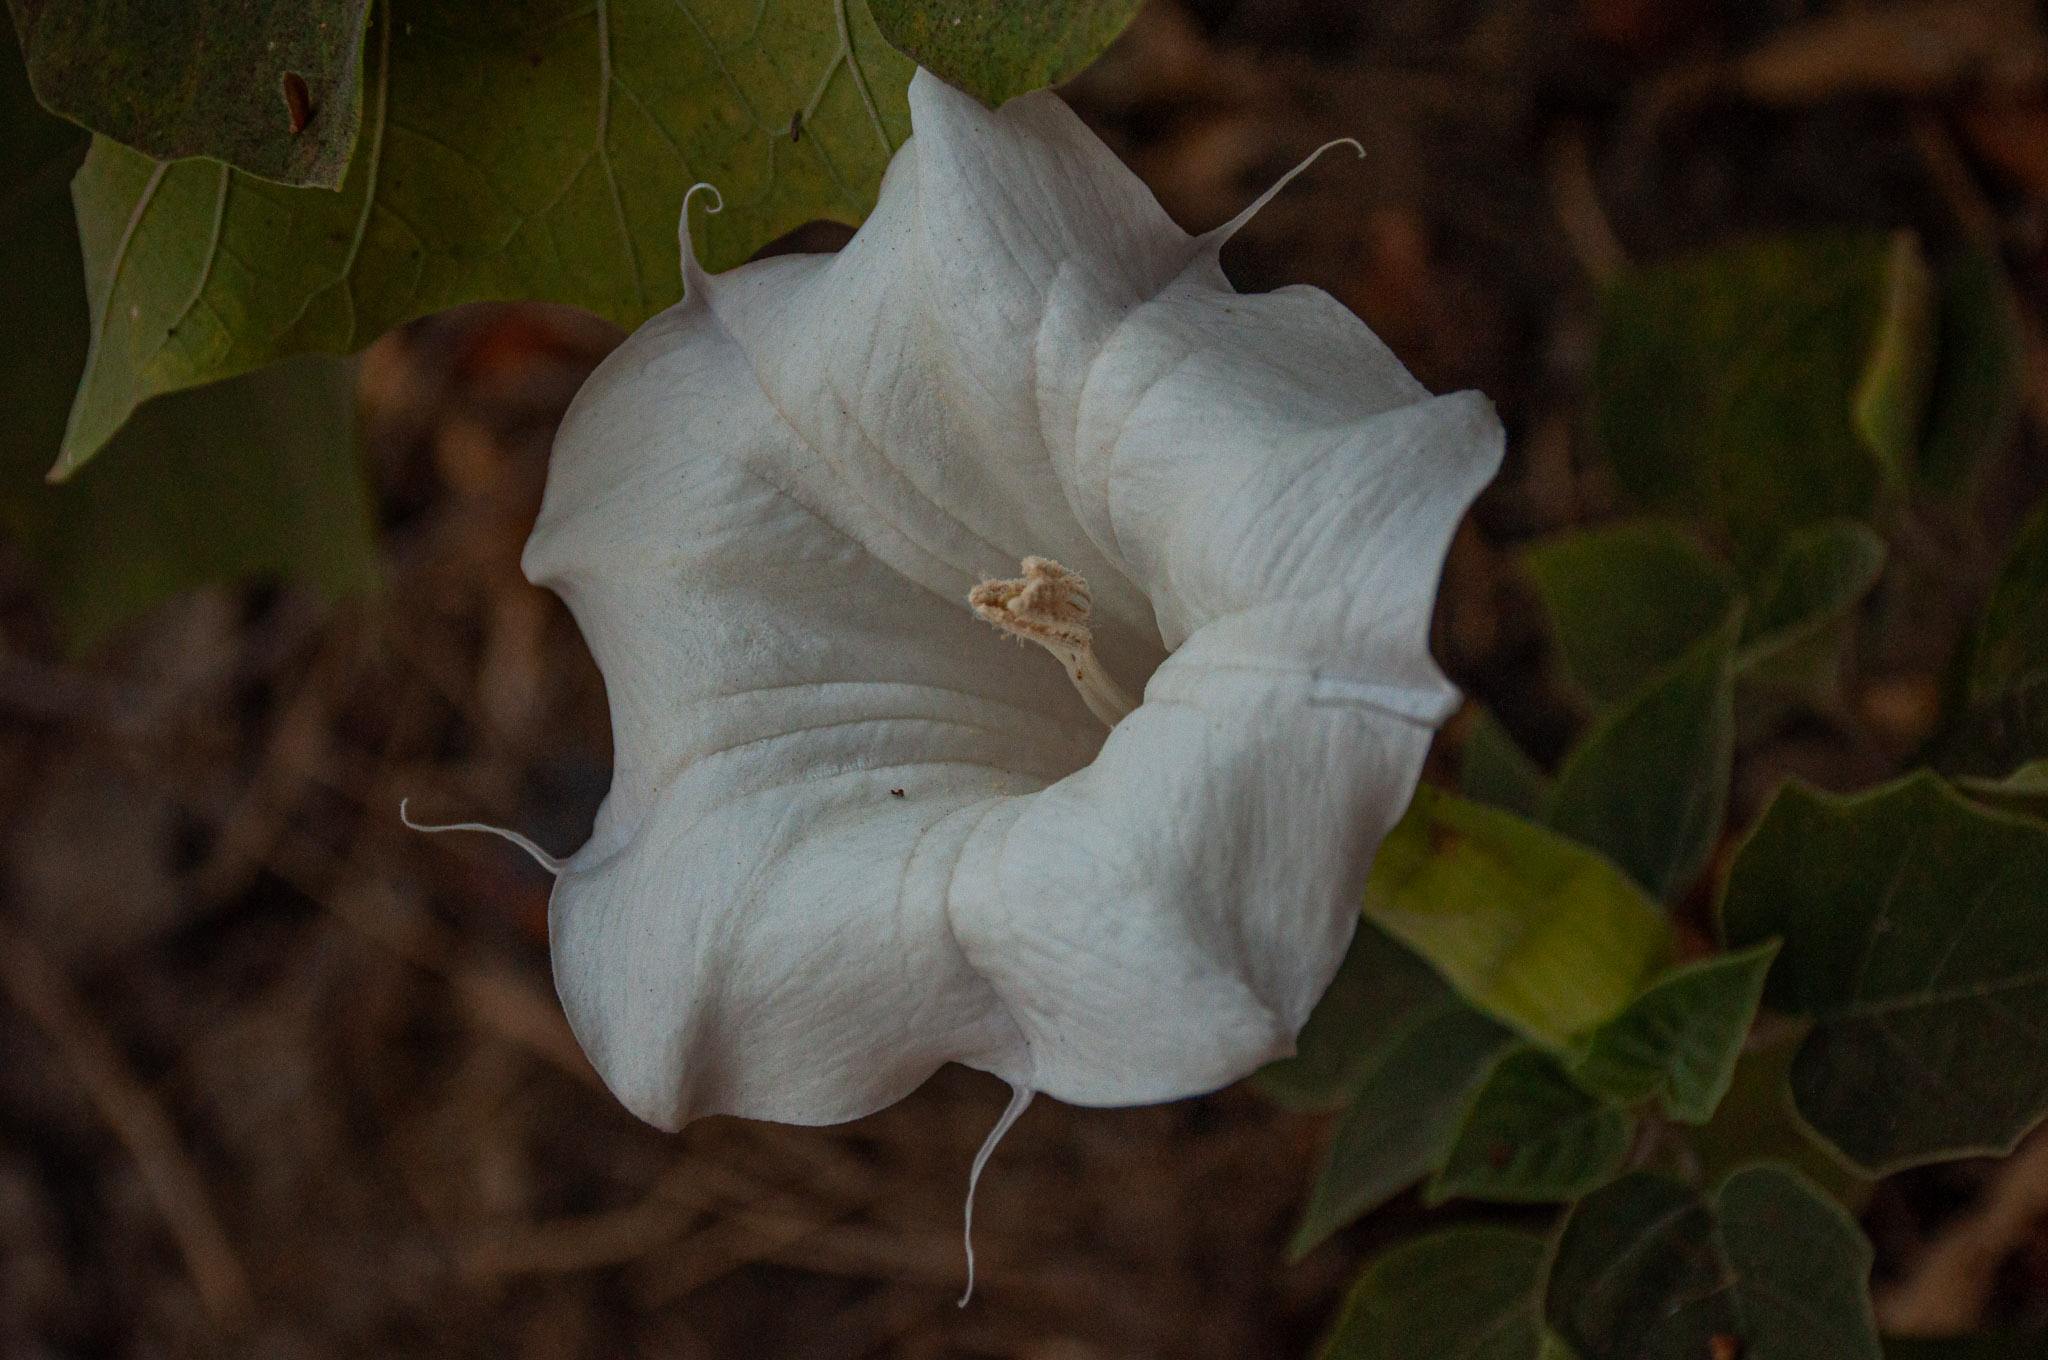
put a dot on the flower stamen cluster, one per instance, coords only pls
(1049, 605)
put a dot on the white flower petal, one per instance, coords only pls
(766, 510)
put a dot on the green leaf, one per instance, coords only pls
(1766, 1268)
(1891, 398)
(1755, 1122)
(256, 477)
(205, 78)
(1648, 785)
(1401, 1124)
(2012, 643)
(1979, 375)
(539, 152)
(1494, 769)
(1469, 1293)
(1991, 738)
(1994, 1346)
(1766, 387)
(1379, 991)
(2025, 790)
(1550, 938)
(2003, 720)
(1628, 600)
(42, 292)
(994, 49)
(1532, 1137)
(1915, 931)
(1680, 1040)
(1819, 577)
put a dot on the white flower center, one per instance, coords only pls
(1049, 605)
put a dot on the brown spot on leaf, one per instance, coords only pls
(298, 100)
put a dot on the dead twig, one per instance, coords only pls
(587, 1241)
(491, 995)
(1908, 49)
(295, 756)
(1947, 1290)
(1575, 198)
(1950, 170)
(173, 1183)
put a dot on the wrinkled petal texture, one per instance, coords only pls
(766, 510)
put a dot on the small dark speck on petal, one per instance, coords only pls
(895, 793)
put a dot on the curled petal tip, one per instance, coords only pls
(1020, 1098)
(1216, 239)
(540, 856)
(693, 271)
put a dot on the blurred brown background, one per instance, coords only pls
(280, 1078)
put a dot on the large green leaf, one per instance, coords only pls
(1545, 935)
(1915, 929)
(1765, 1268)
(42, 291)
(994, 49)
(206, 78)
(1465, 1293)
(1768, 387)
(1818, 578)
(534, 150)
(2012, 643)
(1979, 374)
(1680, 1040)
(1532, 1137)
(1400, 1126)
(256, 477)
(1628, 600)
(1648, 785)
(1379, 991)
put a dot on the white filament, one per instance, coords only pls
(540, 856)
(1020, 1096)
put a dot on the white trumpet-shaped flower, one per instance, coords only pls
(853, 833)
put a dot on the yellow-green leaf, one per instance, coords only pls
(1541, 933)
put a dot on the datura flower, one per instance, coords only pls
(853, 832)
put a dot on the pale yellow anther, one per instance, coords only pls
(1049, 605)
